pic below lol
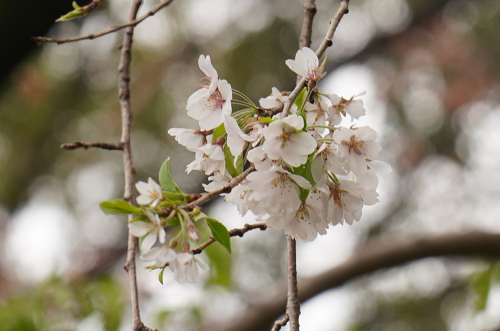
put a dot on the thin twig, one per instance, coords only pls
(225, 189)
(280, 323)
(306, 31)
(43, 40)
(292, 302)
(327, 42)
(126, 114)
(233, 233)
(84, 145)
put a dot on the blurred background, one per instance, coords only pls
(431, 72)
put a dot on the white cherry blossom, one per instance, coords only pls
(186, 267)
(355, 146)
(161, 255)
(346, 199)
(276, 189)
(208, 107)
(353, 107)
(326, 160)
(152, 231)
(284, 140)
(303, 223)
(276, 99)
(210, 72)
(306, 64)
(189, 138)
(150, 192)
(210, 160)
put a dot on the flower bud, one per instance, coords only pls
(193, 233)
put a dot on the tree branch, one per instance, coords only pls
(307, 21)
(327, 42)
(126, 116)
(84, 145)
(233, 233)
(280, 323)
(292, 302)
(375, 255)
(225, 189)
(131, 23)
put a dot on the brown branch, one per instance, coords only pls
(375, 255)
(292, 302)
(225, 189)
(79, 144)
(280, 323)
(307, 21)
(327, 42)
(233, 233)
(132, 23)
(126, 115)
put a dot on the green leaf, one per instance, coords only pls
(78, 12)
(173, 221)
(300, 98)
(119, 207)
(219, 232)
(481, 285)
(166, 179)
(229, 162)
(160, 276)
(140, 217)
(218, 132)
(306, 172)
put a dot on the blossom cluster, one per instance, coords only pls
(310, 172)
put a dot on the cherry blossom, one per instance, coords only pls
(152, 230)
(346, 199)
(353, 107)
(305, 222)
(277, 189)
(186, 267)
(355, 146)
(150, 192)
(285, 141)
(209, 107)
(189, 138)
(161, 255)
(306, 64)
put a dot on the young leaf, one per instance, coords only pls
(77, 12)
(306, 172)
(229, 162)
(219, 232)
(481, 285)
(218, 132)
(118, 207)
(166, 179)
(300, 98)
(160, 276)
(140, 217)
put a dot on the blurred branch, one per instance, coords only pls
(79, 144)
(233, 233)
(126, 115)
(375, 255)
(307, 21)
(292, 302)
(327, 42)
(280, 323)
(132, 23)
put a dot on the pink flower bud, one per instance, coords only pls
(193, 233)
